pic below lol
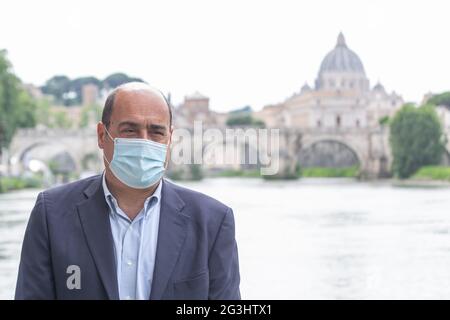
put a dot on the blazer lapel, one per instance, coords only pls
(93, 213)
(171, 236)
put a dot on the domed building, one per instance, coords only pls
(342, 97)
(342, 69)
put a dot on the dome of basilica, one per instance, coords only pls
(341, 60)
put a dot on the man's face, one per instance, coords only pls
(136, 114)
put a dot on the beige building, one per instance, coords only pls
(195, 107)
(342, 97)
(89, 94)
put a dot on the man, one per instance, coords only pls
(128, 233)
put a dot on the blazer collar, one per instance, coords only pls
(171, 236)
(93, 214)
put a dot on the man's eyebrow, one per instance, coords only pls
(156, 127)
(129, 123)
(132, 124)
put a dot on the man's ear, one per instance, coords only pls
(100, 135)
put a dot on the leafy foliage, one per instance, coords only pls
(17, 108)
(244, 120)
(68, 92)
(442, 99)
(416, 139)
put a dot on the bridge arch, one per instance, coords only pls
(329, 152)
(47, 151)
(75, 149)
(231, 153)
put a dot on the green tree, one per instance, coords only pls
(43, 112)
(61, 120)
(383, 121)
(93, 112)
(68, 92)
(76, 87)
(57, 86)
(116, 79)
(51, 117)
(17, 108)
(416, 139)
(442, 99)
(244, 120)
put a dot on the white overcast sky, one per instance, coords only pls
(236, 52)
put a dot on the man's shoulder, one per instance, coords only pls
(70, 192)
(197, 200)
(78, 185)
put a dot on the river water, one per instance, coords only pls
(310, 239)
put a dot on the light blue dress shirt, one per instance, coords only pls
(135, 244)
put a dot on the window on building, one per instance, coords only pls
(319, 123)
(357, 123)
(338, 121)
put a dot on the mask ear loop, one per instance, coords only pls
(111, 140)
(108, 133)
(106, 159)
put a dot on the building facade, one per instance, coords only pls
(341, 98)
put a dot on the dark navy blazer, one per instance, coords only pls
(196, 256)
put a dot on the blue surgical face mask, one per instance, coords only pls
(138, 163)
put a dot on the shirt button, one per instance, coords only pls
(127, 298)
(129, 262)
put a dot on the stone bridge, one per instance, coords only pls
(367, 149)
(76, 150)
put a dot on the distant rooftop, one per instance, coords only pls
(196, 96)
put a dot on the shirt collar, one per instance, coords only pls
(112, 202)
